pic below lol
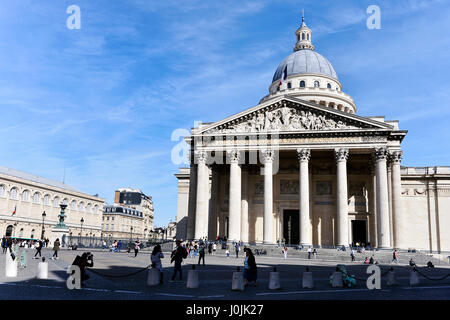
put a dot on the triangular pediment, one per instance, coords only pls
(289, 114)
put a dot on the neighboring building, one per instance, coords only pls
(302, 166)
(30, 196)
(171, 230)
(122, 222)
(135, 199)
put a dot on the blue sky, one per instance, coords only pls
(104, 100)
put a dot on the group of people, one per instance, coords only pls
(181, 252)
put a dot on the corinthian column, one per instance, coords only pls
(244, 207)
(268, 157)
(341, 156)
(234, 205)
(304, 155)
(398, 216)
(382, 198)
(201, 214)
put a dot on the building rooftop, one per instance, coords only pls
(35, 178)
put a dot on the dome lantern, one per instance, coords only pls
(303, 37)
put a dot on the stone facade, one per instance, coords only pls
(308, 172)
(31, 195)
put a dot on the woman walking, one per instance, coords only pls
(250, 270)
(155, 258)
(56, 245)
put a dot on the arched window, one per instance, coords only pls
(21, 233)
(302, 84)
(88, 208)
(73, 205)
(56, 202)
(81, 207)
(2, 191)
(95, 209)
(316, 84)
(36, 198)
(307, 36)
(13, 193)
(46, 199)
(9, 230)
(65, 201)
(289, 85)
(303, 36)
(25, 195)
(329, 86)
(32, 234)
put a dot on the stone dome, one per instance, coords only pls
(305, 61)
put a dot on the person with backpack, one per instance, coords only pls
(38, 245)
(177, 256)
(201, 254)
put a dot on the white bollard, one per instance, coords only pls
(337, 280)
(414, 278)
(153, 278)
(391, 278)
(42, 270)
(11, 266)
(237, 283)
(307, 280)
(192, 281)
(274, 281)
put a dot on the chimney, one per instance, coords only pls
(117, 197)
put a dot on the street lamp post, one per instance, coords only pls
(43, 225)
(81, 233)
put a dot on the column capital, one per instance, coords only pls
(267, 155)
(303, 154)
(233, 156)
(341, 154)
(380, 154)
(396, 156)
(200, 156)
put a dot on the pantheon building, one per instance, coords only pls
(304, 168)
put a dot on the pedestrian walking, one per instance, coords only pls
(201, 254)
(285, 252)
(250, 270)
(352, 255)
(227, 252)
(137, 246)
(119, 245)
(195, 251)
(177, 256)
(309, 253)
(395, 256)
(56, 245)
(315, 253)
(210, 248)
(4, 244)
(38, 245)
(236, 247)
(155, 258)
(214, 248)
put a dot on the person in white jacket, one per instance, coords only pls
(155, 258)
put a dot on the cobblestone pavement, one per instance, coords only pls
(215, 279)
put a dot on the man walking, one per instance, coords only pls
(237, 249)
(137, 246)
(352, 255)
(177, 256)
(309, 253)
(38, 245)
(201, 254)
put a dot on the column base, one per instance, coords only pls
(384, 249)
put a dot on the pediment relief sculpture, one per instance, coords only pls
(282, 119)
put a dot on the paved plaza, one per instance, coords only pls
(215, 279)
